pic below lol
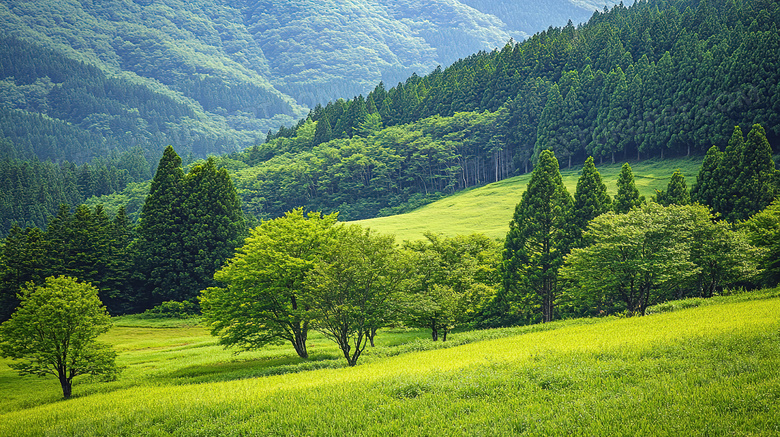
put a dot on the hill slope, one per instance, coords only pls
(489, 209)
(215, 76)
(709, 370)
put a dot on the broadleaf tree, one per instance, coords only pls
(352, 287)
(262, 298)
(54, 332)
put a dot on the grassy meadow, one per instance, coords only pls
(699, 367)
(489, 209)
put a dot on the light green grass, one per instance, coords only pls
(489, 209)
(705, 370)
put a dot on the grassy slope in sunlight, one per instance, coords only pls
(707, 370)
(489, 209)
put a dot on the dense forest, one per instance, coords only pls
(657, 78)
(654, 79)
(78, 79)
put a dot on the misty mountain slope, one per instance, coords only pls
(220, 74)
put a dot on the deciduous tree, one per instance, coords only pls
(263, 297)
(54, 332)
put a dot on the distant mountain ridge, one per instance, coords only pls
(217, 75)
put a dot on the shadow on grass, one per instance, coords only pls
(253, 368)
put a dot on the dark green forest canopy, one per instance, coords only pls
(80, 78)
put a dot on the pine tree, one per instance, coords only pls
(539, 237)
(322, 133)
(213, 226)
(676, 192)
(627, 196)
(756, 184)
(727, 173)
(590, 199)
(160, 252)
(706, 188)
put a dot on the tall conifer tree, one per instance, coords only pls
(627, 194)
(159, 245)
(539, 237)
(214, 225)
(756, 184)
(706, 188)
(590, 199)
(727, 173)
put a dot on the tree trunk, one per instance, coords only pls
(434, 331)
(299, 343)
(67, 387)
(444, 335)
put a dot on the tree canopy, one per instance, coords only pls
(54, 332)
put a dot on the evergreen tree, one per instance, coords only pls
(627, 196)
(676, 192)
(213, 227)
(25, 258)
(322, 134)
(706, 188)
(590, 199)
(160, 253)
(756, 184)
(539, 237)
(727, 173)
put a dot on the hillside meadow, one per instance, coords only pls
(696, 367)
(489, 208)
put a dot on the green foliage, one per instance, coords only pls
(741, 181)
(172, 309)
(540, 235)
(351, 289)
(627, 197)
(676, 192)
(454, 279)
(189, 226)
(763, 230)
(653, 254)
(262, 299)
(54, 332)
(590, 198)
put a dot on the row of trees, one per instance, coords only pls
(589, 255)
(189, 226)
(305, 271)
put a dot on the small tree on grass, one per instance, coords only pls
(351, 288)
(263, 300)
(54, 331)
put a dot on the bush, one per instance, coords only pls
(173, 310)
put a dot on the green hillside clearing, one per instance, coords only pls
(489, 209)
(708, 370)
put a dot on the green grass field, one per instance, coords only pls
(702, 368)
(489, 209)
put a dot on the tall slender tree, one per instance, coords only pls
(590, 199)
(160, 252)
(706, 187)
(627, 196)
(539, 237)
(213, 226)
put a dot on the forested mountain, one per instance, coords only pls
(653, 79)
(80, 78)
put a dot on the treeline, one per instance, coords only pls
(653, 79)
(590, 255)
(32, 190)
(564, 256)
(190, 224)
